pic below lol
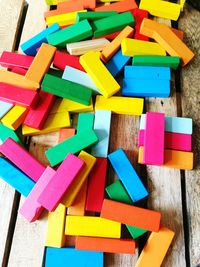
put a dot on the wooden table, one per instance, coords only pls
(174, 193)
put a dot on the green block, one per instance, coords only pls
(72, 145)
(74, 33)
(161, 61)
(66, 89)
(91, 16)
(117, 192)
(6, 132)
(112, 24)
(85, 122)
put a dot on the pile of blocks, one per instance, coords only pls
(72, 67)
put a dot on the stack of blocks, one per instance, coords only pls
(73, 63)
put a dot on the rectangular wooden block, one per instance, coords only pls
(147, 72)
(61, 60)
(99, 74)
(91, 16)
(134, 216)
(30, 46)
(60, 182)
(96, 185)
(85, 122)
(65, 134)
(156, 248)
(64, 105)
(120, 105)
(15, 178)
(6, 132)
(127, 174)
(109, 245)
(92, 226)
(102, 128)
(73, 145)
(121, 6)
(139, 15)
(4, 108)
(19, 70)
(10, 59)
(73, 257)
(132, 47)
(90, 4)
(154, 138)
(31, 208)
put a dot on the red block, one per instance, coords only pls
(11, 59)
(61, 60)
(18, 95)
(19, 70)
(110, 36)
(96, 186)
(139, 15)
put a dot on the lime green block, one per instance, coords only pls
(6, 132)
(85, 122)
(72, 145)
(71, 34)
(91, 16)
(112, 24)
(161, 61)
(66, 89)
(117, 192)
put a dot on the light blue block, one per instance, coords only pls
(102, 129)
(127, 175)
(116, 63)
(14, 177)
(70, 257)
(146, 88)
(173, 124)
(80, 77)
(147, 72)
(30, 46)
(4, 108)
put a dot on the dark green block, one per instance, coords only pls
(85, 122)
(91, 16)
(6, 132)
(66, 89)
(58, 73)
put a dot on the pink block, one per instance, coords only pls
(31, 209)
(60, 182)
(154, 138)
(22, 159)
(11, 59)
(175, 141)
(19, 70)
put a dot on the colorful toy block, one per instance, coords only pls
(61, 60)
(139, 15)
(91, 16)
(11, 59)
(147, 72)
(99, 74)
(85, 122)
(6, 132)
(65, 134)
(19, 70)
(4, 108)
(63, 105)
(121, 6)
(92, 226)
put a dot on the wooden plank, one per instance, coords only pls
(190, 76)
(7, 43)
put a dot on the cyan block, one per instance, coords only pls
(4, 108)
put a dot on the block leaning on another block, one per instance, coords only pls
(6, 132)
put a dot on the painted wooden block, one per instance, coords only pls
(134, 216)
(109, 245)
(156, 248)
(127, 175)
(60, 182)
(91, 16)
(22, 159)
(96, 185)
(74, 33)
(120, 105)
(73, 257)
(92, 226)
(4, 108)
(30, 46)
(121, 6)
(111, 36)
(15, 178)
(99, 74)
(19, 70)
(64, 105)
(10, 59)
(139, 15)
(85, 122)
(73, 145)
(102, 128)
(31, 209)
(6, 132)
(132, 47)
(147, 72)
(62, 59)
(90, 4)
(65, 134)
(66, 89)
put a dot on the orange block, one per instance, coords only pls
(109, 245)
(121, 6)
(173, 159)
(156, 248)
(179, 33)
(131, 215)
(41, 63)
(164, 35)
(65, 134)
(89, 4)
(112, 47)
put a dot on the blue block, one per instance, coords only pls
(146, 88)
(116, 63)
(127, 175)
(147, 72)
(4, 108)
(70, 257)
(30, 47)
(14, 177)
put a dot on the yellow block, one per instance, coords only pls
(92, 226)
(120, 105)
(15, 117)
(182, 3)
(99, 73)
(132, 47)
(63, 19)
(75, 187)
(64, 104)
(53, 123)
(55, 236)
